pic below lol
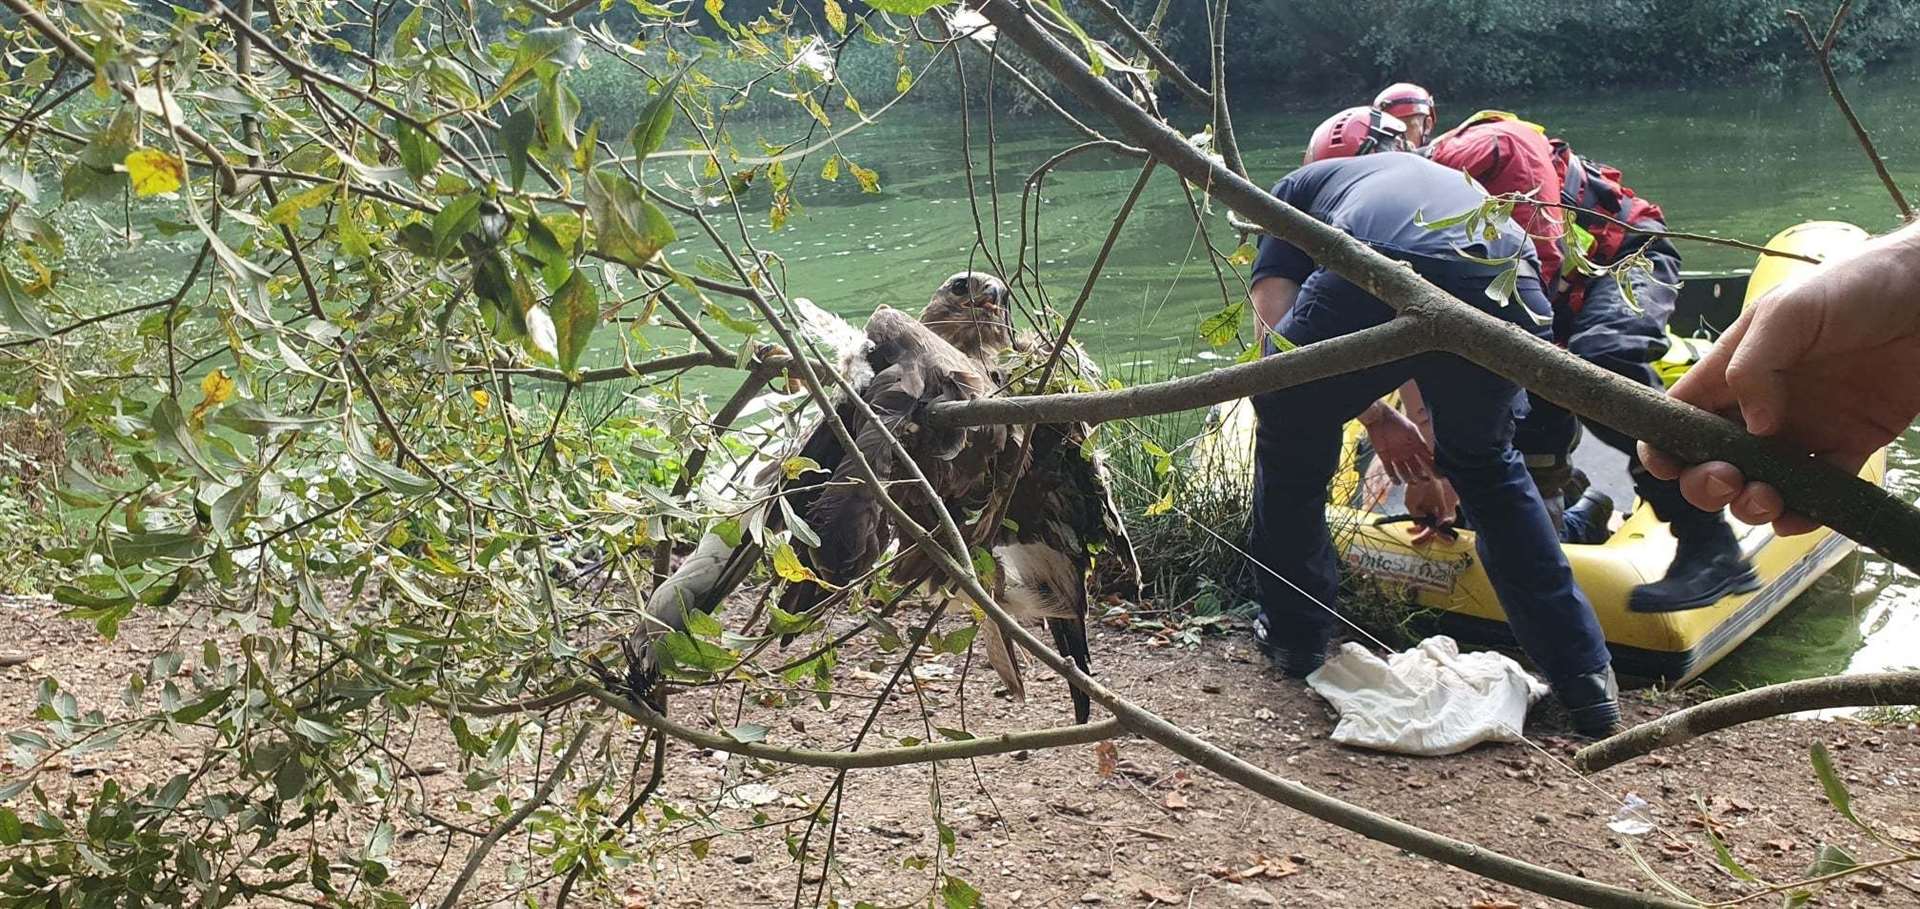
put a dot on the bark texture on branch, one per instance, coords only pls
(1404, 336)
(1876, 689)
(1854, 507)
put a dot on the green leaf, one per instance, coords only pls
(651, 131)
(782, 622)
(1722, 854)
(1419, 219)
(679, 650)
(906, 7)
(703, 625)
(93, 174)
(409, 27)
(748, 733)
(539, 48)
(959, 640)
(516, 137)
(800, 529)
(958, 735)
(576, 311)
(287, 211)
(1837, 794)
(395, 478)
(315, 731)
(734, 323)
(453, 221)
(958, 894)
(10, 827)
(254, 419)
(1222, 327)
(1829, 860)
(836, 17)
(418, 153)
(628, 228)
(172, 434)
(200, 708)
(18, 311)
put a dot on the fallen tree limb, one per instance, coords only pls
(1877, 689)
(856, 760)
(1860, 510)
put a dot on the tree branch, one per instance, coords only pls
(1405, 336)
(1161, 61)
(478, 854)
(1866, 690)
(1823, 55)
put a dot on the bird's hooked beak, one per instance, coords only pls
(993, 297)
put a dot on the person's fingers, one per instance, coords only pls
(1756, 371)
(1758, 503)
(1713, 485)
(1659, 463)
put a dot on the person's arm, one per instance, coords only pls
(1272, 298)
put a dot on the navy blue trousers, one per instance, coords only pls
(1297, 450)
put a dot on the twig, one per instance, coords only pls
(1223, 135)
(1823, 55)
(1163, 63)
(478, 854)
(1865, 690)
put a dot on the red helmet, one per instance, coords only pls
(1355, 131)
(1405, 100)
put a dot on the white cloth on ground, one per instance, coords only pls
(1430, 700)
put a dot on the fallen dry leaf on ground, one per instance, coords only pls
(1108, 754)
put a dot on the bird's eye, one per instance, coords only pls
(959, 287)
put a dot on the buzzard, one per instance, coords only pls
(1058, 517)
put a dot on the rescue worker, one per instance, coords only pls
(1375, 198)
(1595, 321)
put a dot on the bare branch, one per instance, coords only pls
(1822, 50)
(1866, 690)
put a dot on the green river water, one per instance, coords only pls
(1741, 163)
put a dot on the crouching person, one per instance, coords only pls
(1376, 198)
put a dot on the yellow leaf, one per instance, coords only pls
(1161, 506)
(1244, 256)
(786, 564)
(287, 211)
(904, 82)
(154, 172)
(836, 17)
(481, 399)
(795, 466)
(830, 171)
(216, 389)
(869, 180)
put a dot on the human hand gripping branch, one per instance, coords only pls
(1829, 362)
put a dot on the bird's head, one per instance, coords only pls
(972, 311)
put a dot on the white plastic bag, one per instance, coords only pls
(1429, 700)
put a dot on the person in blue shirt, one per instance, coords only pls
(1380, 199)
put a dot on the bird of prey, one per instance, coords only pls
(1058, 516)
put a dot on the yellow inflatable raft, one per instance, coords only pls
(1445, 575)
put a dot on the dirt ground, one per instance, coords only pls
(1049, 828)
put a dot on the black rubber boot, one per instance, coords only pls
(1592, 702)
(1293, 659)
(1707, 566)
(1586, 520)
